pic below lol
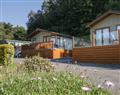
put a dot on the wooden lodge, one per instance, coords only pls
(105, 39)
(48, 44)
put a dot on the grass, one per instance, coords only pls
(15, 81)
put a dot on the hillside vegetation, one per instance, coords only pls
(69, 16)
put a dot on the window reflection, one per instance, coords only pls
(98, 37)
(106, 37)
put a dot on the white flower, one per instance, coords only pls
(96, 70)
(53, 65)
(83, 76)
(109, 84)
(70, 72)
(38, 78)
(99, 86)
(54, 78)
(75, 62)
(86, 89)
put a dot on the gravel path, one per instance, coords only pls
(97, 73)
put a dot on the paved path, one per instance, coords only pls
(97, 73)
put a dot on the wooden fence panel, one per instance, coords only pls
(98, 54)
(45, 50)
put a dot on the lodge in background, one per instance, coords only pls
(105, 40)
(48, 44)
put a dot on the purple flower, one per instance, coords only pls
(109, 84)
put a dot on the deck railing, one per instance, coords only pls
(37, 46)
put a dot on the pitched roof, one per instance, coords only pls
(38, 30)
(98, 19)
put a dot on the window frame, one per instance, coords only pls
(102, 35)
(117, 31)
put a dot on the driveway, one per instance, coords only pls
(97, 73)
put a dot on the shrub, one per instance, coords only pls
(6, 54)
(37, 63)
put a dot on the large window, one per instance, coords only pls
(102, 37)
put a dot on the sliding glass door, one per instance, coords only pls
(102, 37)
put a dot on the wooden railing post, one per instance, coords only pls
(119, 43)
(64, 43)
(72, 42)
(93, 39)
(82, 42)
(119, 36)
(52, 45)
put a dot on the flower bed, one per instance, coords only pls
(18, 82)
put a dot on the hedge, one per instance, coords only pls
(6, 54)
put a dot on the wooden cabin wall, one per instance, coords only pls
(98, 54)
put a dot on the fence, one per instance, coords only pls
(99, 54)
(40, 45)
(45, 50)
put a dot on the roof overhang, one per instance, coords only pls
(38, 30)
(100, 18)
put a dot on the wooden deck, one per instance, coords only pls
(45, 49)
(98, 54)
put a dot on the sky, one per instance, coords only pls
(16, 11)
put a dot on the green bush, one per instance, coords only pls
(37, 63)
(6, 54)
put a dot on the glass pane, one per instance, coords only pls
(61, 42)
(68, 44)
(114, 35)
(106, 36)
(98, 37)
(118, 28)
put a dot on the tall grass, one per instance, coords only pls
(16, 81)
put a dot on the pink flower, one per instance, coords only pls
(86, 89)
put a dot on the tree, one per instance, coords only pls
(8, 32)
(19, 33)
(70, 16)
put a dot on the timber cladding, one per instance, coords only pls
(98, 54)
(47, 53)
